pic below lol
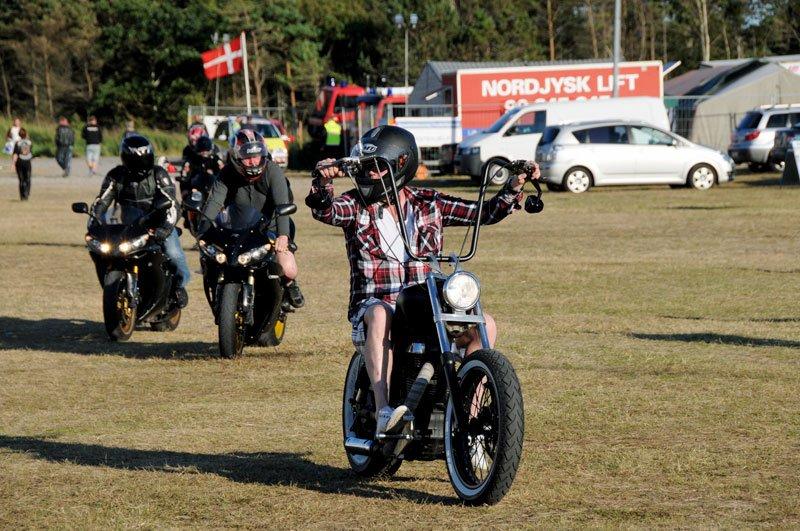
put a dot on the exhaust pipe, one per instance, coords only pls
(418, 388)
(357, 446)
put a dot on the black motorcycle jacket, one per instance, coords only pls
(230, 189)
(136, 197)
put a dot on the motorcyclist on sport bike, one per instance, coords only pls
(208, 166)
(250, 180)
(135, 185)
(379, 262)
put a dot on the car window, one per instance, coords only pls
(609, 134)
(777, 120)
(649, 136)
(750, 120)
(794, 118)
(549, 135)
(528, 124)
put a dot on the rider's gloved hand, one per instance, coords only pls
(329, 173)
(160, 234)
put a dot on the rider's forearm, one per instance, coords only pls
(501, 205)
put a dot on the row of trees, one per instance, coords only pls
(140, 58)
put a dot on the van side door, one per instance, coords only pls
(521, 137)
(611, 153)
(658, 156)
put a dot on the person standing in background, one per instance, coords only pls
(21, 160)
(65, 139)
(130, 130)
(94, 138)
(12, 136)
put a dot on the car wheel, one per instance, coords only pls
(577, 180)
(498, 174)
(702, 177)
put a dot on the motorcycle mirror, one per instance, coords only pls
(80, 208)
(534, 203)
(286, 209)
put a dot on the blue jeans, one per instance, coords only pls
(172, 246)
(64, 158)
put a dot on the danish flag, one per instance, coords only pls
(223, 61)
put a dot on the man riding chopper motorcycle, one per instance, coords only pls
(250, 180)
(379, 262)
(135, 185)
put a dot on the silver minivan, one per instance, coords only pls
(754, 137)
(577, 156)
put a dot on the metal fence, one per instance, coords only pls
(279, 113)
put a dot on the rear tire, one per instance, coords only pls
(231, 322)
(119, 318)
(702, 177)
(358, 420)
(488, 381)
(577, 180)
(169, 324)
(274, 336)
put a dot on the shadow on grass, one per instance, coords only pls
(271, 468)
(771, 181)
(723, 339)
(78, 336)
(697, 207)
(46, 244)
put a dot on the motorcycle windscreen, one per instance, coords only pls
(238, 218)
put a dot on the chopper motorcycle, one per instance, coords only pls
(138, 279)
(242, 279)
(465, 410)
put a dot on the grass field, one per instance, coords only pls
(656, 334)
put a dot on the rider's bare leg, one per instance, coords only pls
(378, 352)
(472, 340)
(288, 263)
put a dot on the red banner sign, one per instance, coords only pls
(486, 93)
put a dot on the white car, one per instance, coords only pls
(577, 156)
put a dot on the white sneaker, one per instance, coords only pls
(389, 418)
(477, 454)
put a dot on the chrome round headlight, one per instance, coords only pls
(462, 290)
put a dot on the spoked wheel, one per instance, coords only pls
(358, 420)
(169, 324)
(118, 315)
(231, 322)
(577, 180)
(483, 456)
(274, 336)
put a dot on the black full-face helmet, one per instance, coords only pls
(137, 156)
(204, 146)
(379, 147)
(249, 155)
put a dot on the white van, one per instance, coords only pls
(516, 134)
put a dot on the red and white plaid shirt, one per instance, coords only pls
(372, 272)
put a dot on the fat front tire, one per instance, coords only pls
(231, 322)
(118, 316)
(169, 324)
(358, 420)
(577, 180)
(702, 177)
(483, 457)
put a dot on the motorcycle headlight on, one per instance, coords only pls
(212, 251)
(96, 245)
(462, 290)
(133, 245)
(254, 255)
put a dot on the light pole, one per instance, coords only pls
(400, 22)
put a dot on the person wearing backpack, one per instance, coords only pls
(21, 160)
(65, 139)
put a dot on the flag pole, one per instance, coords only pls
(246, 75)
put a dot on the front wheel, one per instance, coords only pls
(231, 322)
(498, 173)
(119, 316)
(483, 456)
(358, 420)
